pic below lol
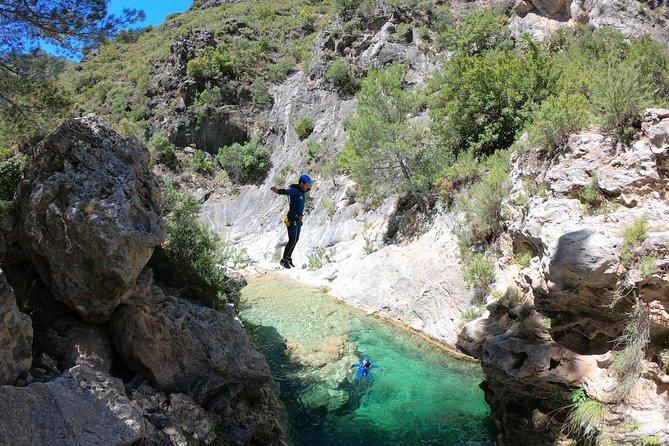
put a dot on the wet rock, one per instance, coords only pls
(323, 399)
(89, 215)
(16, 336)
(82, 406)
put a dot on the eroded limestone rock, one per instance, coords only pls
(89, 215)
(16, 336)
(82, 406)
(187, 348)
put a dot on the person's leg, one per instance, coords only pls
(293, 237)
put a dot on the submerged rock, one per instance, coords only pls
(89, 215)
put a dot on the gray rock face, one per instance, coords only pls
(540, 18)
(10, 249)
(89, 215)
(72, 342)
(82, 406)
(580, 296)
(16, 336)
(585, 258)
(187, 348)
(174, 418)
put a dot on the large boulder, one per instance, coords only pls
(187, 348)
(82, 406)
(89, 215)
(16, 336)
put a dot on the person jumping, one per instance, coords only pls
(293, 220)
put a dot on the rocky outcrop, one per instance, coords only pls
(540, 18)
(187, 348)
(580, 294)
(16, 335)
(82, 406)
(173, 93)
(89, 215)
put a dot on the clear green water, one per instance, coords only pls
(419, 394)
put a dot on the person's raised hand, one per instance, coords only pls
(273, 189)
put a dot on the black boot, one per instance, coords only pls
(285, 263)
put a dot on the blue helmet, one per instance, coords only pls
(366, 359)
(305, 179)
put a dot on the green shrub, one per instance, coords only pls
(304, 128)
(341, 76)
(618, 96)
(557, 118)
(523, 259)
(384, 152)
(482, 205)
(478, 31)
(319, 257)
(469, 315)
(648, 440)
(246, 162)
(630, 351)
(633, 236)
(163, 151)
(590, 194)
(345, 8)
(11, 172)
(201, 163)
(480, 275)
(483, 101)
(213, 65)
(586, 419)
(260, 94)
(193, 252)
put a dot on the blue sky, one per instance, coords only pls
(155, 10)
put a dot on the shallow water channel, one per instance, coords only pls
(418, 395)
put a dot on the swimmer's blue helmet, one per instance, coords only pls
(305, 179)
(366, 358)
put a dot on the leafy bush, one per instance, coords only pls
(478, 31)
(162, 150)
(633, 236)
(11, 172)
(304, 128)
(482, 205)
(483, 101)
(384, 151)
(200, 163)
(212, 65)
(590, 194)
(341, 76)
(246, 162)
(557, 118)
(618, 96)
(193, 253)
(480, 275)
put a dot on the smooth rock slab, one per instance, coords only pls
(81, 407)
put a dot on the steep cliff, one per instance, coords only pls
(590, 310)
